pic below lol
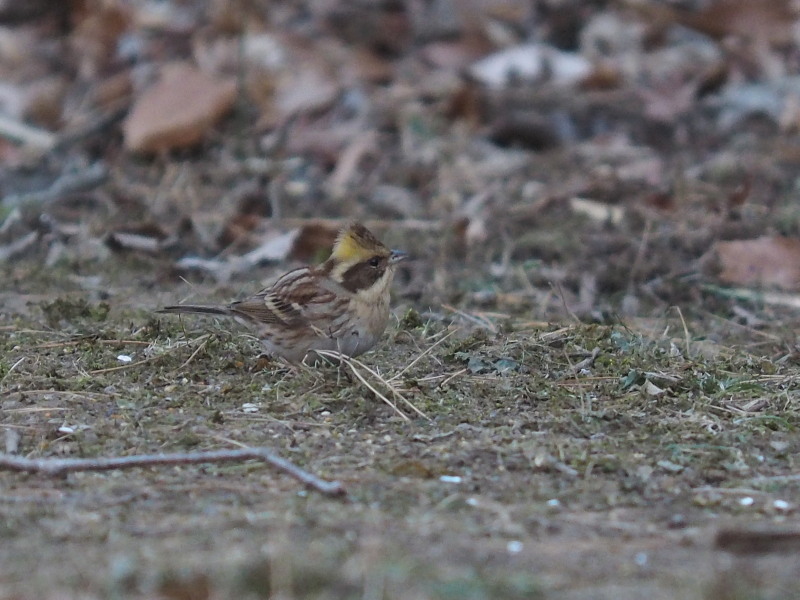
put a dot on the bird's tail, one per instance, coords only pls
(196, 308)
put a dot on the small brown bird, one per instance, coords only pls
(341, 305)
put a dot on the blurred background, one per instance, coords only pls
(546, 159)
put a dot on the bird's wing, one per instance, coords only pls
(295, 300)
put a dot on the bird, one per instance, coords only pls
(341, 305)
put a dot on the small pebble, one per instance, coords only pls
(781, 505)
(514, 547)
(450, 479)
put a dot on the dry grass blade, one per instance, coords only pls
(11, 369)
(356, 364)
(392, 388)
(84, 340)
(421, 355)
(348, 361)
(123, 367)
(196, 352)
(477, 318)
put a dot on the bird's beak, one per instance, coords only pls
(396, 256)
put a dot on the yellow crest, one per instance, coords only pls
(356, 243)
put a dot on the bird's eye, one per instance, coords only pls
(374, 261)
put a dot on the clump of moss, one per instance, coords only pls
(63, 310)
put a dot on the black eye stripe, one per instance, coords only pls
(361, 276)
(375, 261)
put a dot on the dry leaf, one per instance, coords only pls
(178, 110)
(766, 261)
(305, 90)
(770, 20)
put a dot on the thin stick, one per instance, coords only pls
(60, 466)
(90, 340)
(87, 179)
(33, 137)
(128, 366)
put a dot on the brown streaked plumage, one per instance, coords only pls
(340, 305)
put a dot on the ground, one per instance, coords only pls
(534, 474)
(589, 386)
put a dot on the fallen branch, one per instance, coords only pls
(60, 466)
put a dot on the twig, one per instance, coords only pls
(372, 224)
(144, 361)
(60, 466)
(587, 362)
(750, 295)
(17, 246)
(33, 137)
(91, 340)
(87, 179)
(563, 298)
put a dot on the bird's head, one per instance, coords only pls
(361, 263)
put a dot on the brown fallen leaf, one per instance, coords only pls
(764, 262)
(770, 20)
(178, 110)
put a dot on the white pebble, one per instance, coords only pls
(514, 547)
(781, 505)
(450, 479)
